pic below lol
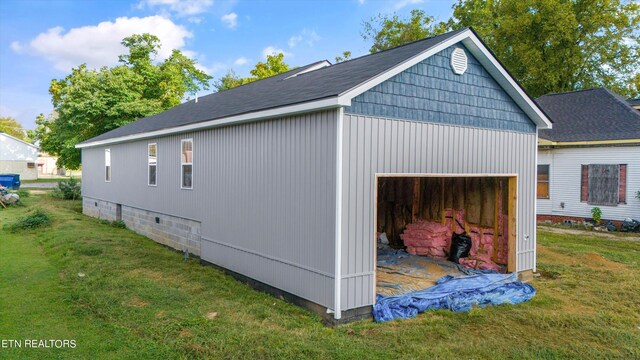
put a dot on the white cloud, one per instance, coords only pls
(99, 45)
(178, 7)
(17, 47)
(272, 50)
(360, 2)
(403, 3)
(294, 40)
(309, 37)
(230, 20)
(240, 61)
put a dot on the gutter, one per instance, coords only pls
(318, 105)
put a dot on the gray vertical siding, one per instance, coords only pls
(430, 91)
(377, 145)
(263, 191)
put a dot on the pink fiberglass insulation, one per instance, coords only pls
(433, 239)
(427, 238)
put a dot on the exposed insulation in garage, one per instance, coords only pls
(435, 207)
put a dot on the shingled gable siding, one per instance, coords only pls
(431, 92)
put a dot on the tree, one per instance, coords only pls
(273, 66)
(387, 32)
(346, 55)
(12, 127)
(89, 102)
(558, 45)
(548, 45)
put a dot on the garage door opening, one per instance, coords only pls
(417, 216)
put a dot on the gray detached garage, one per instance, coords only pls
(286, 181)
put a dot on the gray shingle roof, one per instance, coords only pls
(278, 91)
(589, 115)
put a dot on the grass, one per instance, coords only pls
(120, 295)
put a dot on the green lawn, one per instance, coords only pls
(138, 299)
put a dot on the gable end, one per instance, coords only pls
(431, 91)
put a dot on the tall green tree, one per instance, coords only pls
(273, 66)
(89, 102)
(548, 45)
(386, 32)
(12, 127)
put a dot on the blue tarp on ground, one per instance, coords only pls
(458, 294)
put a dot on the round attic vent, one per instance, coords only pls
(458, 61)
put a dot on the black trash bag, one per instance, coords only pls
(610, 226)
(629, 225)
(460, 247)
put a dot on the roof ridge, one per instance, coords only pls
(571, 92)
(400, 46)
(270, 77)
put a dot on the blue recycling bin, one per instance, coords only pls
(11, 181)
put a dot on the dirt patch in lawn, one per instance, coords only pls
(137, 302)
(185, 333)
(176, 281)
(600, 234)
(591, 260)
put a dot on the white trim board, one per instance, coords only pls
(467, 37)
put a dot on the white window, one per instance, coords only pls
(107, 165)
(152, 161)
(186, 161)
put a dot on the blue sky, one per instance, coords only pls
(43, 40)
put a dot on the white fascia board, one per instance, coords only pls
(248, 117)
(475, 46)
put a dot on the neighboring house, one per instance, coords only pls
(635, 103)
(591, 157)
(47, 165)
(18, 157)
(277, 180)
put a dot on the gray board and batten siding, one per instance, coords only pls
(375, 145)
(271, 198)
(263, 193)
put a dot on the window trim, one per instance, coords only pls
(149, 164)
(548, 182)
(185, 163)
(107, 179)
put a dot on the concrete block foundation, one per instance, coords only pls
(175, 232)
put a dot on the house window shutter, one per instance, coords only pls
(622, 186)
(584, 184)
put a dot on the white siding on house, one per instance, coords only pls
(565, 174)
(13, 149)
(15, 156)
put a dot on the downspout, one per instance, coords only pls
(535, 204)
(338, 230)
